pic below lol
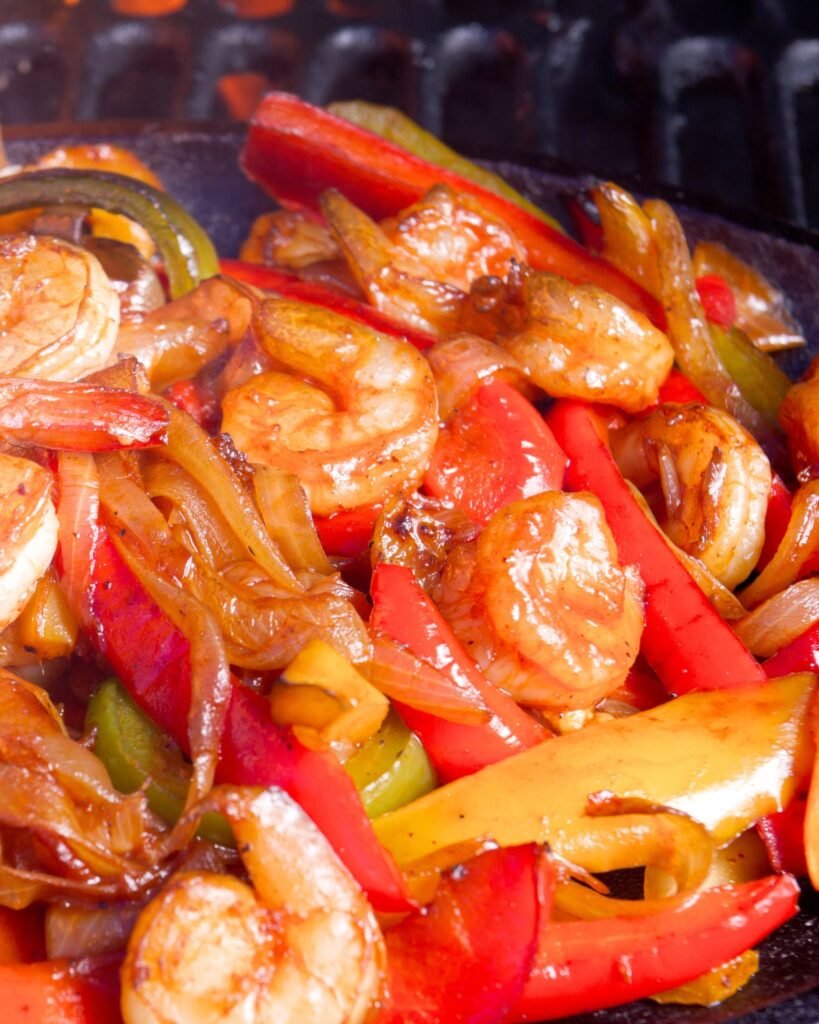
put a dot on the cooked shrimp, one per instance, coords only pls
(578, 341)
(303, 947)
(58, 311)
(394, 281)
(353, 413)
(176, 340)
(715, 479)
(288, 238)
(28, 532)
(542, 603)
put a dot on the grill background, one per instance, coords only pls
(720, 97)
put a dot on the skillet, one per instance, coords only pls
(198, 165)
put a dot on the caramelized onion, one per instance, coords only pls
(779, 620)
(462, 362)
(398, 674)
(286, 513)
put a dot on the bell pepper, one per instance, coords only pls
(271, 279)
(347, 532)
(717, 300)
(686, 641)
(723, 757)
(757, 375)
(186, 252)
(296, 151)
(403, 612)
(137, 754)
(151, 657)
(678, 388)
(394, 126)
(467, 957)
(589, 965)
(777, 517)
(22, 935)
(61, 992)
(494, 449)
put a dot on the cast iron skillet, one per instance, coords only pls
(198, 165)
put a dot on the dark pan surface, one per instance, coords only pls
(199, 166)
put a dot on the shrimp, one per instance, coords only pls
(542, 603)
(578, 341)
(28, 532)
(394, 281)
(715, 479)
(175, 341)
(353, 415)
(303, 947)
(59, 313)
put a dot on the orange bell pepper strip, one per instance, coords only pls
(272, 279)
(296, 151)
(494, 449)
(590, 965)
(403, 612)
(686, 641)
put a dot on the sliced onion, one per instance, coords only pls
(398, 674)
(211, 682)
(687, 325)
(779, 620)
(796, 549)
(286, 514)
(78, 513)
(190, 447)
(75, 932)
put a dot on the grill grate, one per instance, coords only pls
(719, 98)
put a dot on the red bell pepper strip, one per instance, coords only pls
(494, 449)
(467, 957)
(777, 517)
(151, 657)
(717, 300)
(78, 417)
(61, 992)
(403, 612)
(590, 965)
(347, 532)
(186, 396)
(678, 388)
(685, 640)
(296, 151)
(279, 281)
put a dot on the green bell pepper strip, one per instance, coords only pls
(760, 379)
(186, 251)
(136, 752)
(391, 769)
(394, 126)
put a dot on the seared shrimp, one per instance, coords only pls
(176, 340)
(59, 313)
(578, 341)
(303, 947)
(394, 281)
(28, 532)
(353, 415)
(542, 603)
(715, 479)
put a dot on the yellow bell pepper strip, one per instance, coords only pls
(296, 152)
(394, 126)
(723, 758)
(186, 252)
(391, 769)
(686, 641)
(404, 613)
(716, 985)
(46, 625)
(590, 965)
(137, 753)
